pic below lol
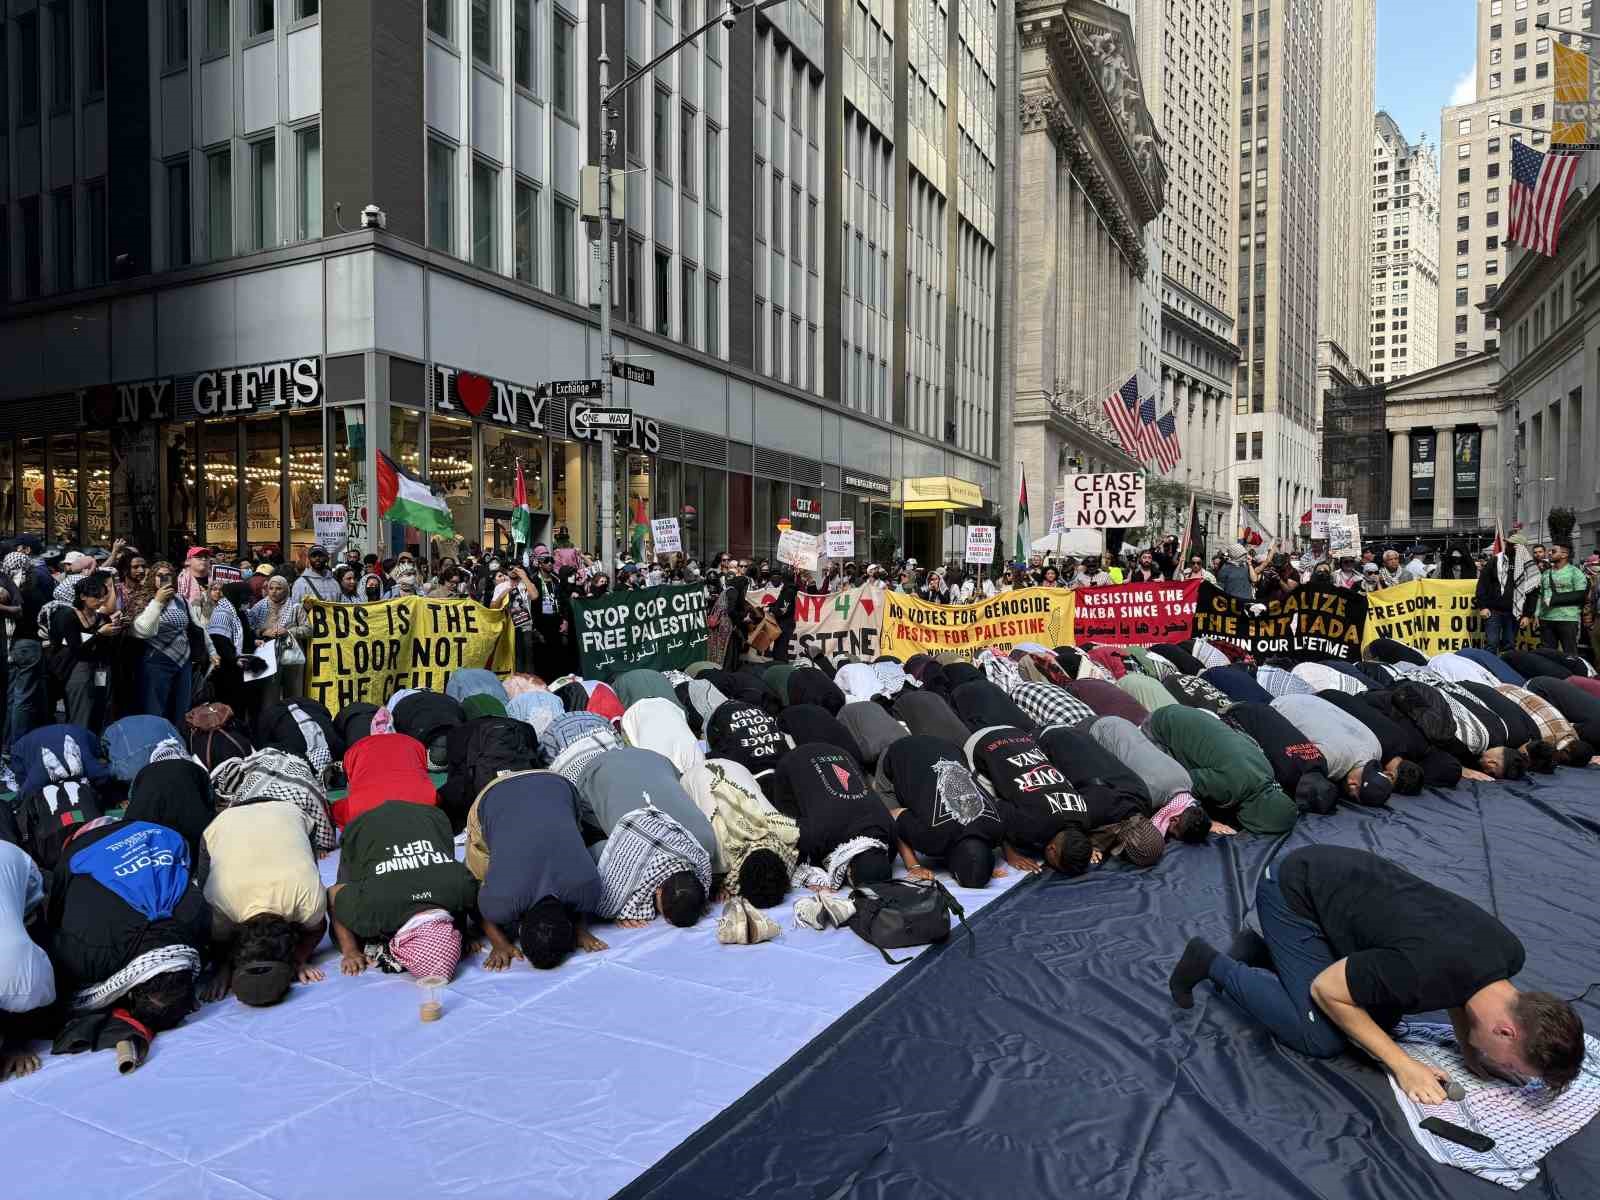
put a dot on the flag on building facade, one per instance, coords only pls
(1539, 186)
(407, 500)
(1149, 435)
(521, 514)
(1024, 529)
(1122, 410)
(1168, 452)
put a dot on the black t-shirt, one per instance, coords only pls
(943, 803)
(1032, 793)
(808, 686)
(823, 789)
(1194, 692)
(1087, 765)
(747, 734)
(1287, 748)
(395, 861)
(981, 704)
(1411, 947)
(813, 723)
(1179, 656)
(930, 715)
(1519, 726)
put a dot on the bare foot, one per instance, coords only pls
(15, 1066)
(999, 872)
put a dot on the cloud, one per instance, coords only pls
(1466, 88)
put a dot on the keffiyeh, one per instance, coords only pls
(428, 946)
(146, 966)
(892, 678)
(225, 622)
(644, 850)
(270, 774)
(838, 864)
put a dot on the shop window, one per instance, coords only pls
(501, 449)
(97, 489)
(8, 508)
(219, 443)
(634, 489)
(566, 493)
(30, 456)
(64, 490)
(450, 469)
(306, 461)
(308, 172)
(405, 438)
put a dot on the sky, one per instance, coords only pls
(1426, 52)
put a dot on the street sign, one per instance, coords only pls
(633, 374)
(617, 419)
(571, 389)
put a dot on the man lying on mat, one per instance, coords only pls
(1352, 943)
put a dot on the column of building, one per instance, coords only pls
(1400, 477)
(1444, 477)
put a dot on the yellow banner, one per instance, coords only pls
(367, 652)
(1434, 615)
(912, 626)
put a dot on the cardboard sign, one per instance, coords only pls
(660, 628)
(1110, 501)
(910, 626)
(980, 543)
(1323, 510)
(665, 533)
(1313, 623)
(843, 623)
(331, 524)
(798, 549)
(1344, 536)
(1136, 614)
(839, 540)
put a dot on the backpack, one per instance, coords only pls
(303, 727)
(212, 736)
(46, 817)
(478, 752)
(131, 741)
(904, 912)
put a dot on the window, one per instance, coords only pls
(264, 194)
(760, 209)
(686, 306)
(777, 212)
(61, 219)
(219, 203)
(561, 68)
(1464, 150)
(94, 202)
(441, 186)
(305, 9)
(1462, 271)
(94, 49)
(1255, 444)
(1494, 145)
(60, 55)
(661, 133)
(178, 213)
(1541, 70)
(635, 274)
(32, 248)
(177, 34)
(485, 196)
(563, 262)
(713, 313)
(633, 116)
(1461, 246)
(1239, 447)
(663, 313)
(308, 178)
(1464, 175)
(1461, 296)
(1491, 243)
(1461, 325)
(1538, 112)
(1464, 125)
(713, 192)
(1520, 75)
(260, 16)
(758, 332)
(522, 56)
(526, 233)
(219, 26)
(686, 172)
(1491, 219)
(28, 74)
(1492, 196)
(1494, 171)
(439, 17)
(483, 32)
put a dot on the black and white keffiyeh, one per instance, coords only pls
(1279, 682)
(146, 966)
(270, 774)
(1046, 704)
(646, 847)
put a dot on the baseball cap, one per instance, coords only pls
(317, 552)
(198, 552)
(263, 568)
(259, 984)
(1375, 786)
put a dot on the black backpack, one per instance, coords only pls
(904, 912)
(47, 817)
(479, 751)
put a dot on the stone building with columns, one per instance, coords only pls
(1088, 179)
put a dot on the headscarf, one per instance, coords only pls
(428, 946)
(538, 709)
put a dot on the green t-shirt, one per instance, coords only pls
(395, 861)
(1568, 579)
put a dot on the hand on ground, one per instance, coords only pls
(499, 960)
(918, 873)
(1217, 827)
(634, 923)
(589, 943)
(15, 1066)
(353, 964)
(306, 973)
(1424, 1084)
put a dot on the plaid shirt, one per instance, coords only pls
(1279, 682)
(1046, 704)
(1553, 727)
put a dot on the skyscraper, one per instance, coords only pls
(1405, 253)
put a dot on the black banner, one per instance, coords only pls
(1468, 443)
(1313, 623)
(1422, 466)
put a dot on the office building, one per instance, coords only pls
(1405, 253)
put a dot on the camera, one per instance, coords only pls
(373, 217)
(731, 17)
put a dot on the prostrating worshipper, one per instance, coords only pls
(1456, 723)
(813, 723)
(633, 686)
(940, 811)
(873, 729)
(1091, 768)
(1535, 664)
(1178, 654)
(1576, 705)
(176, 792)
(1148, 691)
(1326, 676)
(1462, 669)
(128, 923)
(538, 883)
(749, 735)
(1298, 764)
(980, 704)
(1108, 700)
(845, 830)
(269, 909)
(1178, 812)
(382, 767)
(1238, 684)
(1551, 725)
(1279, 680)
(1502, 671)
(1195, 691)
(1409, 758)
(924, 711)
(1391, 650)
(1350, 943)
(27, 980)
(1047, 704)
(655, 856)
(1353, 753)
(660, 725)
(756, 847)
(1231, 775)
(1046, 819)
(812, 686)
(402, 901)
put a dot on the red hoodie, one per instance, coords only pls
(381, 767)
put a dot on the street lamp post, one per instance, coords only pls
(726, 18)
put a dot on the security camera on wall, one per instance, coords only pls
(730, 17)
(373, 217)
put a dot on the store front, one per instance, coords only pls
(867, 502)
(938, 509)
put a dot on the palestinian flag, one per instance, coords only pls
(1024, 531)
(407, 500)
(521, 515)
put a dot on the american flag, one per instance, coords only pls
(1539, 186)
(1168, 451)
(1122, 409)
(1147, 427)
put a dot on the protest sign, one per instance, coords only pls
(1042, 615)
(1323, 510)
(980, 544)
(1344, 536)
(1058, 516)
(844, 623)
(839, 541)
(1108, 501)
(224, 573)
(1135, 614)
(330, 523)
(1312, 623)
(367, 652)
(659, 628)
(798, 549)
(665, 534)
(1434, 615)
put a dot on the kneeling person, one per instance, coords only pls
(940, 811)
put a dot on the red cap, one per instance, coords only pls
(197, 552)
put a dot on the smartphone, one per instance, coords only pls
(1451, 1132)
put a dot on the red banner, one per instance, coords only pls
(1135, 614)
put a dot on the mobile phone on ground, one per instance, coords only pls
(1451, 1132)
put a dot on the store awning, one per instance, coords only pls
(939, 493)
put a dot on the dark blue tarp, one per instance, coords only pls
(1055, 1064)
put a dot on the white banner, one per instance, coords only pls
(1110, 501)
(980, 543)
(1344, 536)
(1058, 516)
(798, 549)
(665, 534)
(839, 542)
(331, 524)
(1323, 510)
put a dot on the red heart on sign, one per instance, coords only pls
(866, 603)
(473, 392)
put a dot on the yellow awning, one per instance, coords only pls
(934, 493)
